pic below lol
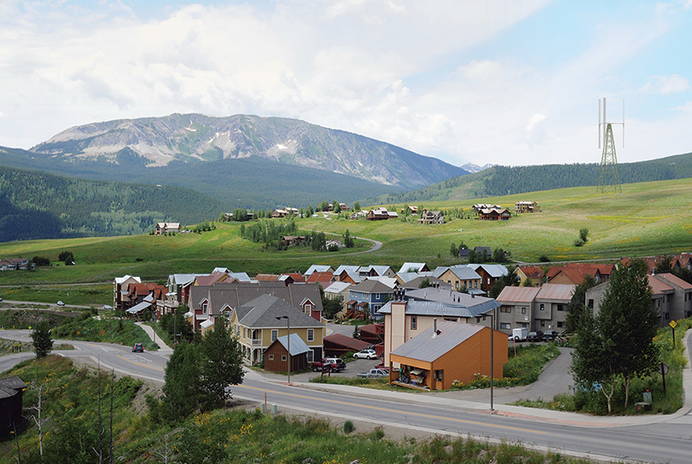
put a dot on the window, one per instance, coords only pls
(542, 323)
(414, 323)
(542, 307)
(205, 305)
(439, 375)
(311, 335)
(590, 303)
(505, 325)
(505, 309)
(311, 355)
(560, 324)
(523, 309)
(560, 307)
(270, 356)
(275, 334)
(283, 357)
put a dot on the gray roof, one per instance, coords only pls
(298, 346)
(182, 279)
(379, 269)
(439, 270)
(371, 286)
(139, 307)
(464, 272)
(241, 276)
(406, 267)
(448, 296)
(318, 268)
(10, 386)
(426, 347)
(263, 311)
(495, 270)
(348, 268)
(409, 276)
(436, 308)
(235, 294)
(337, 287)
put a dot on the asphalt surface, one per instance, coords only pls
(666, 442)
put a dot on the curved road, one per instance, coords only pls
(667, 441)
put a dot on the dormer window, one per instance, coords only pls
(205, 306)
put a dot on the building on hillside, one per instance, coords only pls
(347, 273)
(374, 270)
(15, 264)
(480, 206)
(379, 214)
(527, 207)
(432, 217)
(276, 358)
(267, 277)
(678, 262)
(531, 274)
(575, 273)
(293, 240)
(120, 295)
(494, 214)
(166, 228)
(337, 290)
(460, 277)
(671, 297)
(11, 395)
(318, 268)
(489, 273)
(412, 209)
(422, 281)
(257, 324)
(537, 308)
(446, 353)
(403, 320)
(371, 294)
(221, 299)
(292, 278)
(279, 213)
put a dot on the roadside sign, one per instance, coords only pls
(673, 324)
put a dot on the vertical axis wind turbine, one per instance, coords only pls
(609, 174)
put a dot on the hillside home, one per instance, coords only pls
(550, 307)
(347, 273)
(369, 294)
(121, 300)
(221, 299)
(432, 217)
(260, 322)
(318, 268)
(531, 274)
(403, 320)
(446, 353)
(671, 297)
(15, 264)
(373, 270)
(412, 209)
(526, 207)
(480, 206)
(489, 273)
(279, 213)
(494, 214)
(166, 228)
(575, 273)
(460, 277)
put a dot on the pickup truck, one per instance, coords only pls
(329, 365)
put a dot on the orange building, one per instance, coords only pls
(448, 352)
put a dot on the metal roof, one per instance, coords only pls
(318, 268)
(406, 267)
(263, 311)
(429, 346)
(409, 276)
(371, 286)
(139, 307)
(298, 346)
(513, 294)
(495, 270)
(556, 292)
(464, 272)
(436, 308)
(337, 287)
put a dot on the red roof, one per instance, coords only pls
(321, 277)
(296, 276)
(577, 272)
(533, 272)
(210, 279)
(374, 329)
(144, 289)
(659, 286)
(674, 280)
(344, 341)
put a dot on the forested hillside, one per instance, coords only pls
(39, 205)
(503, 180)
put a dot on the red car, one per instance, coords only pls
(138, 348)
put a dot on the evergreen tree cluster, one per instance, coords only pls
(268, 232)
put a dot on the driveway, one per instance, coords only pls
(554, 379)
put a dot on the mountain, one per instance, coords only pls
(253, 182)
(470, 167)
(503, 180)
(38, 205)
(195, 138)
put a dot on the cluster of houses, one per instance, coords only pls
(15, 264)
(163, 228)
(285, 212)
(423, 320)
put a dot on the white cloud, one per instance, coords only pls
(665, 85)
(345, 64)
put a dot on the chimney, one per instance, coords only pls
(434, 334)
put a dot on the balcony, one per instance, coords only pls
(256, 342)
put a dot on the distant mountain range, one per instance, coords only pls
(471, 168)
(503, 180)
(195, 138)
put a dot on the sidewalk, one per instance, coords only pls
(535, 414)
(163, 348)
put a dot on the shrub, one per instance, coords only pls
(543, 259)
(578, 242)
(349, 427)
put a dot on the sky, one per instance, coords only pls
(504, 82)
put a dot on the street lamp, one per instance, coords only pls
(288, 337)
(492, 359)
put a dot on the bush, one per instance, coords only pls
(578, 242)
(40, 261)
(349, 427)
(543, 259)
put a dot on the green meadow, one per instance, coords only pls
(644, 219)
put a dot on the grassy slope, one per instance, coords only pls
(70, 399)
(646, 218)
(78, 295)
(123, 332)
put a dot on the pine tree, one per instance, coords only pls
(221, 365)
(42, 341)
(181, 391)
(576, 306)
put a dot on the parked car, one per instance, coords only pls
(382, 366)
(534, 336)
(550, 336)
(329, 364)
(107, 307)
(366, 354)
(60, 303)
(138, 348)
(374, 373)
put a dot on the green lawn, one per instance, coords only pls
(123, 332)
(646, 218)
(71, 295)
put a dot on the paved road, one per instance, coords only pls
(648, 443)
(39, 303)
